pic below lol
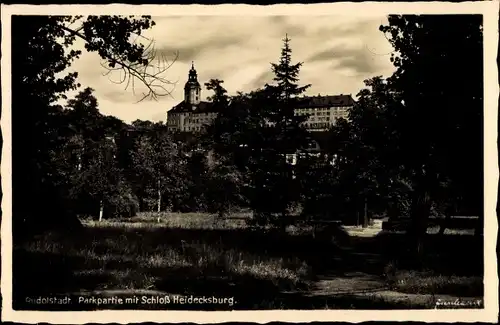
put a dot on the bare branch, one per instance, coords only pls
(137, 36)
(149, 75)
(109, 70)
(75, 19)
(379, 54)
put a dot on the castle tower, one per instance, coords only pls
(192, 89)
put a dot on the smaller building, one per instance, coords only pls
(324, 111)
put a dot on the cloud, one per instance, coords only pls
(338, 53)
(193, 51)
(360, 60)
(262, 79)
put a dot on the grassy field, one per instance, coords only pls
(194, 254)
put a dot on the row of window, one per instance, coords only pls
(320, 119)
(315, 109)
(193, 128)
(317, 125)
(292, 159)
(201, 117)
(312, 114)
(323, 119)
(299, 111)
(320, 113)
(199, 120)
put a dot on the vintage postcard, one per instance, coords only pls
(323, 162)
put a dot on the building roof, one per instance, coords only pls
(309, 101)
(183, 107)
(324, 101)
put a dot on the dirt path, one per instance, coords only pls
(359, 286)
(370, 283)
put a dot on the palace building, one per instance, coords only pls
(192, 114)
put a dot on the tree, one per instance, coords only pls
(322, 194)
(367, 147)
(239, 126)
(231, 143)
(94, 175)
(285, 134)
(100, 178)
(220, 103)
(286, 92)
(41, 52)
(146, 161)
(155, 162)
(416, 136)
(447, 100)
(256, 130)
(224, 187)
(219, 98)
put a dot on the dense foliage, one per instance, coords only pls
(43, 48)
(411, 147)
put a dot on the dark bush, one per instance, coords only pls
(123, 204)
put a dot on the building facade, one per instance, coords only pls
(192, 114)
(324, 111)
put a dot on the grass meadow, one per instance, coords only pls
(196, 254)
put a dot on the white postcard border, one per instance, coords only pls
(490, 12)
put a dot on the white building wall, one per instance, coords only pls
(197, 121)
(319, 119)
(173, 121)
(190, 121)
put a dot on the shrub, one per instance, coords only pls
(150, 204)
(123, 204)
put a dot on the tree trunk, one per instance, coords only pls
(444, 224)
(365, 217)
(479, 231)
(101, 210)
(420, 211)
(159, 197)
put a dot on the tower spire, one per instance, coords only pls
(192, 89)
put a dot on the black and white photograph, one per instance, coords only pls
(247, 158)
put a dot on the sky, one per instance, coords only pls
(338, 54)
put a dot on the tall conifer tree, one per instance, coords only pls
(286, 91)
(286, 136)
